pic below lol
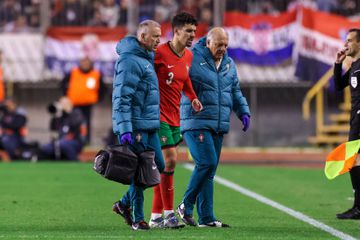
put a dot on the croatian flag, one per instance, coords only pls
(260, 39)
(321, 36)
(65, 46)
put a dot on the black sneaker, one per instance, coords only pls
(124, 211)
(187, 219)
(215, 224)
(142, 225)
(352, 213)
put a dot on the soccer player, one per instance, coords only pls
(172, 65)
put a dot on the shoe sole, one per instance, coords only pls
(117, 211)
(175, 227)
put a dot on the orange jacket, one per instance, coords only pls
(83, 87)
(2, 85)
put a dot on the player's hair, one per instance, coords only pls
(357, 31)
(144, 27)
(180, 19)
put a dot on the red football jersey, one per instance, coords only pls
(173, 75)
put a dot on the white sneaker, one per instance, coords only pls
(156, 223)
(172, 222)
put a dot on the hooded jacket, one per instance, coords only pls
(218, 90)
(135, 98)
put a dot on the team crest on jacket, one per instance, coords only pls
(201, 137)
(354, 82)
(138, 137)
(163, 139)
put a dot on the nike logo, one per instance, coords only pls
(154, 167)
(171, 66)
(147, 66)
(170, 189)
(203, 63)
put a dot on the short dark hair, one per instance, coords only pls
(357, 31)
(183, 18)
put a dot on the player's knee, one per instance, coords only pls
(170, 164)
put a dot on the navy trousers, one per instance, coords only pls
(134, 197)
(205, 148)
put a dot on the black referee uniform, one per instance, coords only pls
(352, 78)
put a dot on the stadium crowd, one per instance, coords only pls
(24, 15)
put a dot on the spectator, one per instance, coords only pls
(13, 127)
(72, 13)
(110, 11)
(9, 10)
(71, 128)
(327, 5)
(347, 7)
(165, 10)
(84, 86)
(18, 26)
(189, 6)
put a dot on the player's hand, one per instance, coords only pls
(196, 105)
(341, 55)
(245, 119)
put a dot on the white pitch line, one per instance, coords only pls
(289, 211)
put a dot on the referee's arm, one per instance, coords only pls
(341, 81)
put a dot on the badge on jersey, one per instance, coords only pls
(163, 139)
(354, 82)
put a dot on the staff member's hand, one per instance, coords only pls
(245, 119)
(126, 138)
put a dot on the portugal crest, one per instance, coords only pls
(201, 137)
(354, 82)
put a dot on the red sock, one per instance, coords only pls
(167, 191)
(157, 204)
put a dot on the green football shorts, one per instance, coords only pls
(170, 136)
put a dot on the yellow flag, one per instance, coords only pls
(341, 159)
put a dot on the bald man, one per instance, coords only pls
(214, 78)
(135, 110)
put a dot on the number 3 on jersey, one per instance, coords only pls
(171, 77)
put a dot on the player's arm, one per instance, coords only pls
(341, 81)
(188, 90)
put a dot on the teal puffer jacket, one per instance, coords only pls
(218, 90)
(135, 98)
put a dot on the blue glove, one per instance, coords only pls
(245, 119)
(126, 138)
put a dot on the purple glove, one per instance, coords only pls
(245, 119)
(126, 138)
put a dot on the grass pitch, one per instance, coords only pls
(70, 201)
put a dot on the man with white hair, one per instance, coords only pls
(214, 78)
(135, 110)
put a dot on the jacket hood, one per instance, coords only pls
(130, 45)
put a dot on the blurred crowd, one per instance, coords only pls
(346, 8)
(24, 15)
